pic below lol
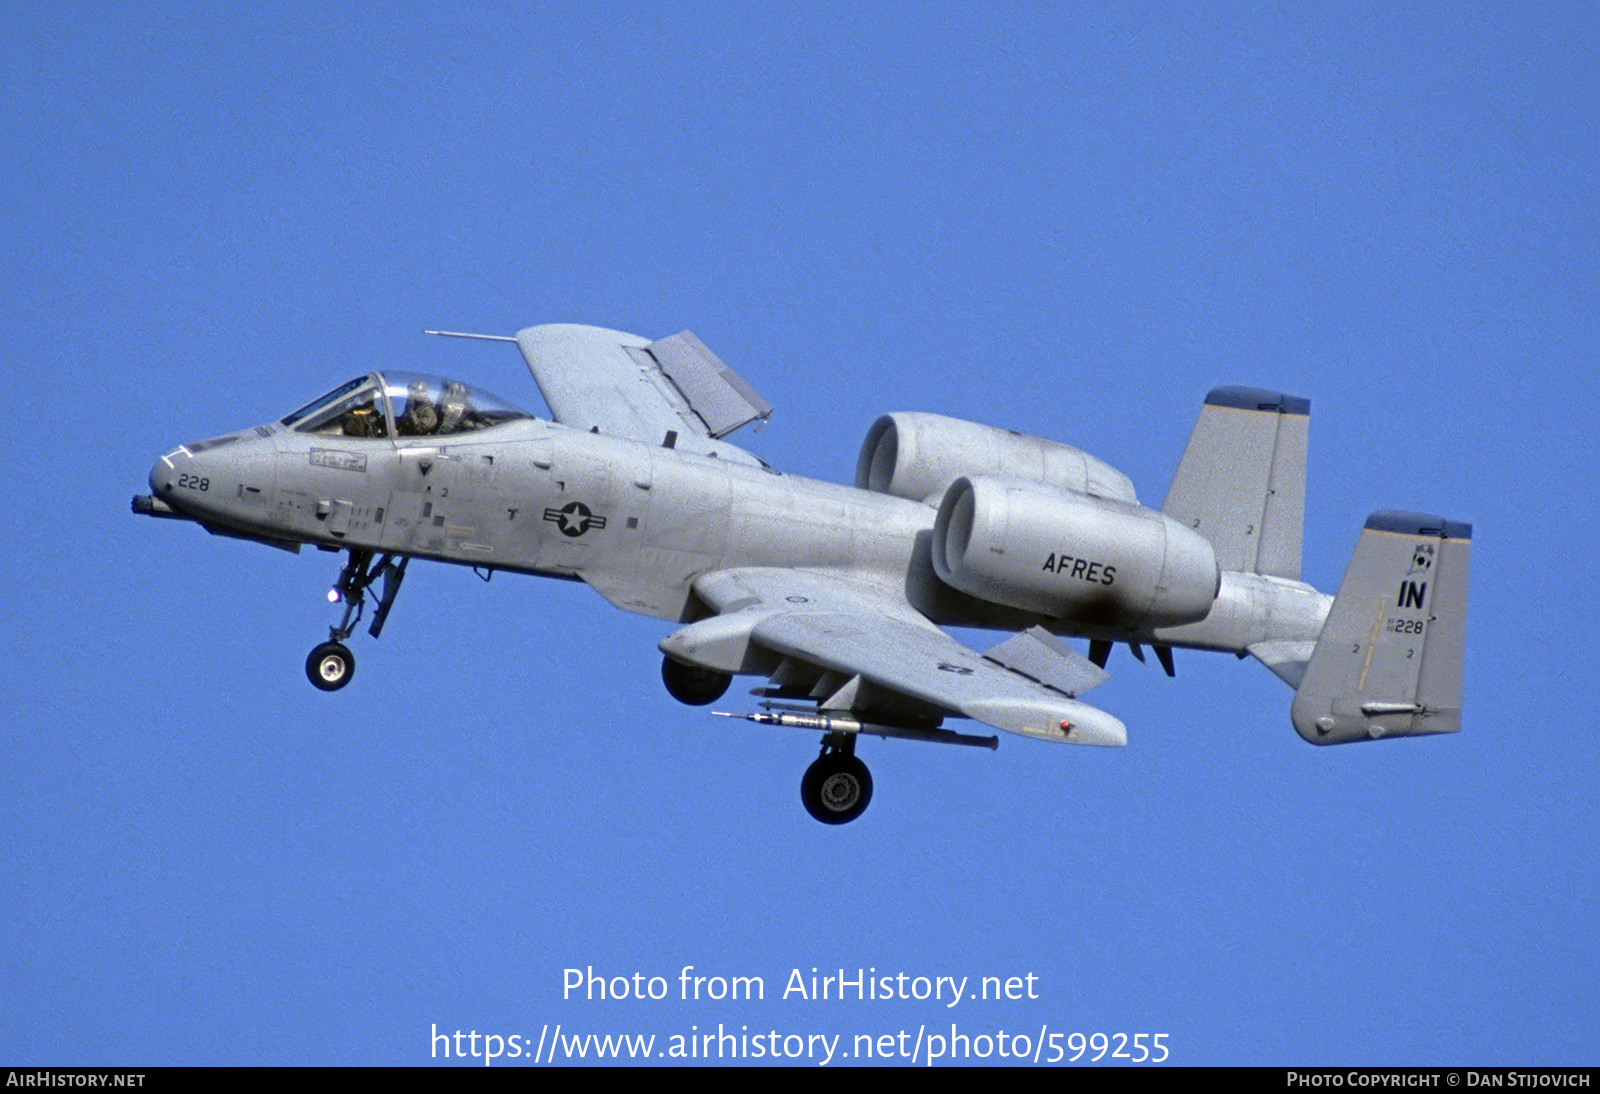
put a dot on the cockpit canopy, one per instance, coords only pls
(402, 404)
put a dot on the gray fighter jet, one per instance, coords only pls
(836, 594)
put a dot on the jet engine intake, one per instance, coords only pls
(918, 456)
(1071, 556)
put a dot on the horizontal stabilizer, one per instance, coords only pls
(1288, 659)
(1389, 659)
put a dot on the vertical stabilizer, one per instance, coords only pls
(1242, 480)
(1389, 659)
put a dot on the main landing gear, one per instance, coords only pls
(838, 787)
(331, 665)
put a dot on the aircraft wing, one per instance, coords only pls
(673, 391)
(860, 647)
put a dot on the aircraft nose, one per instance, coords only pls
(226, 480)
(163, 476)
(183, 480)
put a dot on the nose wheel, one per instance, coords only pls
(330, 666)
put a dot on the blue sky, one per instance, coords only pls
(1071, 222)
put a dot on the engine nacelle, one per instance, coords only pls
(1071, 556)
(918, 456)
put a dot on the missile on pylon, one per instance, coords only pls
(840, 723)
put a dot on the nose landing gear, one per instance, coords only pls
(331, 665)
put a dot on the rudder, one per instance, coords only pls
(1389, 660)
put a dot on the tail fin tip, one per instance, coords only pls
(1241, 482)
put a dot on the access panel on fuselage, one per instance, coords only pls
(446, 502)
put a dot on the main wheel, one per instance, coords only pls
(330, 666)
(692, 684)
(836, 788)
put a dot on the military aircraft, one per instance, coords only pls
(837, 594)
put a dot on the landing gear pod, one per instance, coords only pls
(692, 685)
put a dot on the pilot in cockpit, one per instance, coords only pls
(454, 407)
(420, 417)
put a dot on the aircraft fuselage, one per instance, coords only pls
(637, 522)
